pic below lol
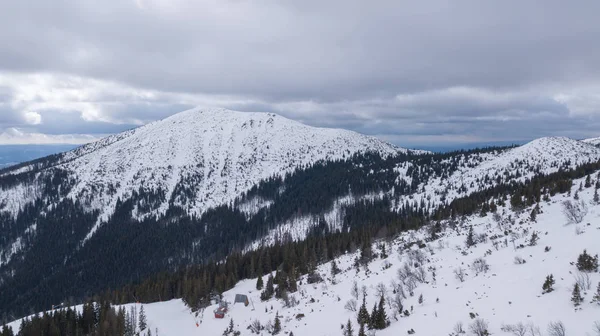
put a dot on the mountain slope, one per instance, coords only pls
(508, 293)
(221, 153)
(478, 171)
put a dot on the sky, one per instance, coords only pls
(415, 73)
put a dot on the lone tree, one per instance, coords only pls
(587, 263)
(534, 239)
(597, 294)
(276, 324)
(574, 211)
(576, 298)
(470, 237)
(547, 287)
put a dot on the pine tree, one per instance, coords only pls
(276, 324)
(334, 268)
(421, 299)
(373, 317)
(597, 294)
(142, 319)
(576, 298)
(534, 239)
(381, 317)
(361, 330)
(259, 281)
(470, 237)
(596, 197)
(547, 287)
(363, 314)
(588, 181)
(349, 331)
(587, 263)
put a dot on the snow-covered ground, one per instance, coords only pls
(509, 293)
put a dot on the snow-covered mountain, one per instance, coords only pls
(478, 171)
(504, 292)
(592, 141)
(203, 183)
(214, 153)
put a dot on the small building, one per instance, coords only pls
(241, 298)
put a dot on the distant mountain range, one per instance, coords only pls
(14, 154)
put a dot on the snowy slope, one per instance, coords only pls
(216, 153)
(480, 171)
(592, 141)
(508, 293)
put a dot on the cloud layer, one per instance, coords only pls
(413, 73)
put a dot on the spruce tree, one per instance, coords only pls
(276, 324)
(587, 263)
(470, 237)
(421, 299)
(142, 319)
(334, 268)
(597, 294)
(588, 181)
(363, 314)
(576, 298)
(596, 197)
(534, 239)
(381, 318)
(547, 287)
(259, 281)
(361, 330)
(373, 317)
(348, 331)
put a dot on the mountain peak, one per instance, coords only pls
(214, 153)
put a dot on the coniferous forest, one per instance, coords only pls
(195, 258)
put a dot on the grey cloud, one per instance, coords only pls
(402, 70)
(289, 50)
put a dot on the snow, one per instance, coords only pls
(508, 294)
(545, 155)
(217, 153)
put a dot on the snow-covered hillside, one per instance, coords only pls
(592, 141)
(215, 153)
(484, 170)
(508, 293)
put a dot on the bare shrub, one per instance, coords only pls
(397, 303)
(583, 280)
(255, 327)
(480, 265)
(381, 289)
(556, 329)
(459, 273)
(574, 211)
(519, 260)
(350, 305)
(459, 328)
(411, 284)
(597, 328)
(479, 327)
(354, 290)
(420, 274)
(518, 329)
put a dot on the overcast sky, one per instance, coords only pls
(411, 72)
